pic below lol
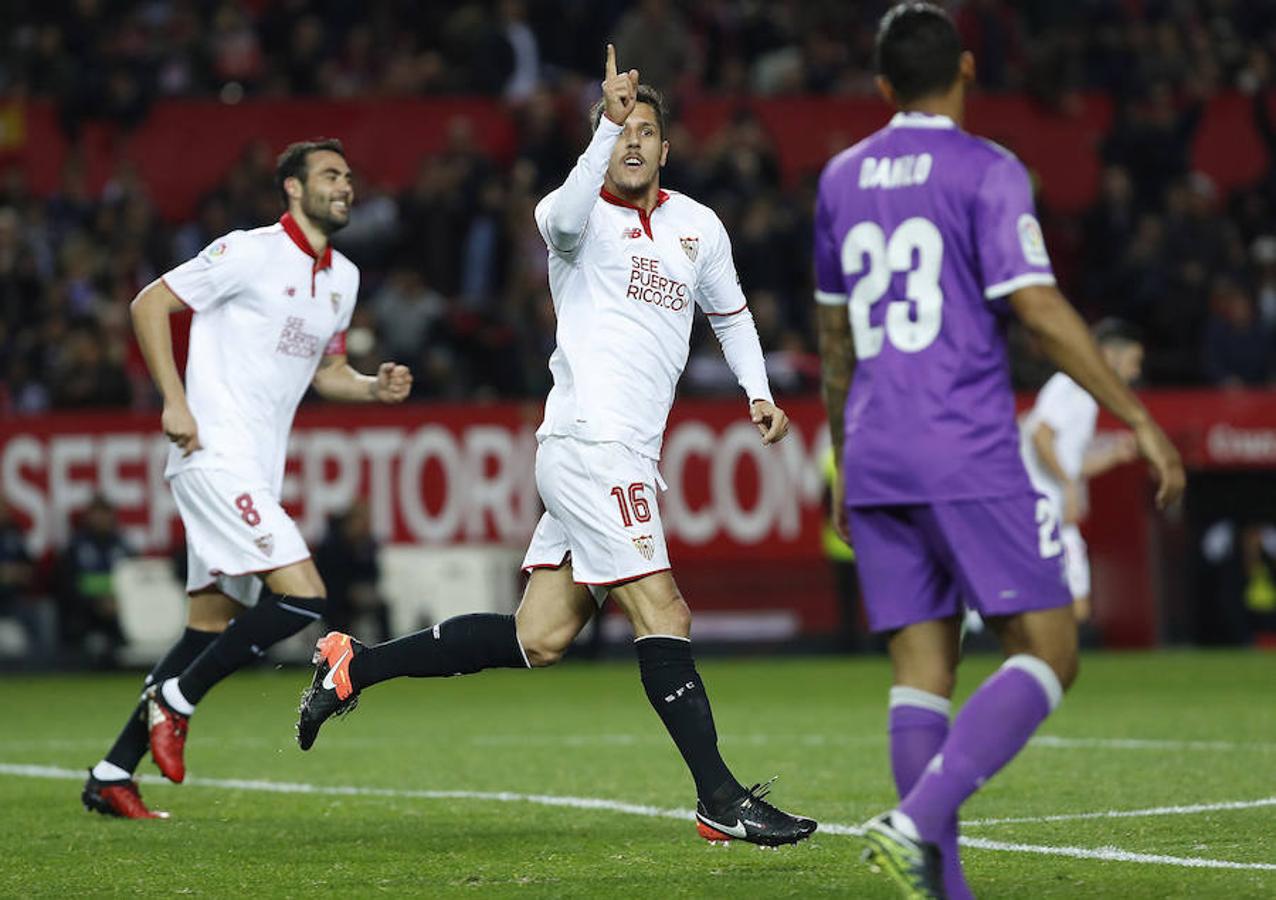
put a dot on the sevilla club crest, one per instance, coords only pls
(265, 543)
(646, 546)
(691, 247)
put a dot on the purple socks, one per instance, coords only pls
(990, 730)
(918, 727)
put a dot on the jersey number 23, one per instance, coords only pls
(915, 248)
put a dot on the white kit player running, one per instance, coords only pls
(271, 307)
(1057, 444)
(628, 265)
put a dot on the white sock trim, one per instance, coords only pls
(910, 696)
(173, 694)
(1040, 670)
(672, 637)
(109, 771)
(526, 661)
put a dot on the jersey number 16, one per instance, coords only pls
(912, 324)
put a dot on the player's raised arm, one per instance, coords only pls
(563, 215)
(1069, 345)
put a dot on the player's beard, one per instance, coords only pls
(634, 183)
(318, 209)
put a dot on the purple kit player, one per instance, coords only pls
(925, 243)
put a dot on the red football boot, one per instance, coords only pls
(168, 730)
(116, 798)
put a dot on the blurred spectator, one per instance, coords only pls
(653, 38)
(1237, 352)
(406, 309)
(85, 375)
(526, 62)
(17, 598)
(1151, 246)
(1258, 561)
(347, 560)
(1263, 258)
(87, 611)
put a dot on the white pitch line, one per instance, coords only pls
(637, 809)
(1126, 813)
(1067, 743)
(287, 787)
(1115, 854)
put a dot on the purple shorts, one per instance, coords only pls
(999, 556)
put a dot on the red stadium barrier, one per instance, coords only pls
(185, 147)
(743, 520)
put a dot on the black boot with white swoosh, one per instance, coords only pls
(750, 818)
(331, 692)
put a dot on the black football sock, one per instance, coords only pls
(461, 645)
(134, 739)
(247, 637)
(676, 692)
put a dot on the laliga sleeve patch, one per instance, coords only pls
(216, 251)
(1032, 241)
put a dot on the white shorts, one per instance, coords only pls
(600, 507)
(234, 532)
(1076, 561)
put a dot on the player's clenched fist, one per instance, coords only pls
(619, 91)
(394, 383)
(772, 422)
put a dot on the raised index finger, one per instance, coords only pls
(611, 62)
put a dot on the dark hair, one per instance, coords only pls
(292, 162)
(918, 50)
(646, 94)
(1116, 331)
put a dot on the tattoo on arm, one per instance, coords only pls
(837, 362)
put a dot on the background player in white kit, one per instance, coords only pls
(1059, 452)
(628, 263)
(271, 309)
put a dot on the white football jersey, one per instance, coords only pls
(1068, 409)
(625, 295)
(266, 310)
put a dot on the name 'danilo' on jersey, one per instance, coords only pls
(899, 171)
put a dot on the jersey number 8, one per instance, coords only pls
(908, 330)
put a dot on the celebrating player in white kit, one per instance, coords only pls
(628, 264)
(271, 306)
(1058, 451)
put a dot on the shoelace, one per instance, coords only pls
(760, 790)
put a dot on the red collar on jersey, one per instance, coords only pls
(299, 238)
(324, 261)
(643, 215)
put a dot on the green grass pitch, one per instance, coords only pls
(1140, 731)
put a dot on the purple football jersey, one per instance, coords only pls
(923, 231)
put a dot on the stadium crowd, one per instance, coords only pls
(442, 290)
